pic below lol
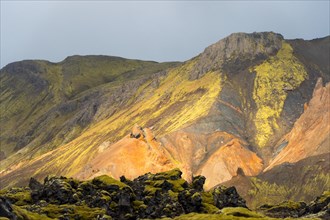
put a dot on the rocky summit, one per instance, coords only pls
(150, 196)
(251, 111)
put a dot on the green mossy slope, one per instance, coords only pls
(274, 78)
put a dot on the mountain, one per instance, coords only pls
(245, 107)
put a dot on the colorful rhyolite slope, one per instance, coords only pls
(237, 106)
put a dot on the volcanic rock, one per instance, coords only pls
(227, 197)
(6, 210)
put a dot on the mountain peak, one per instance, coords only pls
(242, 46)
(246, 44)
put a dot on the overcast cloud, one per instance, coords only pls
(160, 31)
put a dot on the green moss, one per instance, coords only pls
(287, 205)
(196, 216)
(84, 185)
(210, 208)
(18, 196)
(152, 186)
(150, 190)
(263, 192)
(273, 78)
(155, 183)
(267, 193)
(236, 213)
(73, 211)
(207, 197)
(241, 212)
(316, 185)
(208, 202)
(139, 205)
(106, 197)
(178, 184)
(168, 175)
(113, 205)
(27, 215)
(173, 195)
(105, 180)
(196, 195)
(324, 196)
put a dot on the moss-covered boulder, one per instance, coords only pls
(191, 201)
(227, 197)
(240, 212)
(108, 183)
(55, 190)
(174, 174)
(285, 209)
(198, 182)
(321, 203)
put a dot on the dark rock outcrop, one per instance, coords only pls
(55, 190)
(158, 195)
(149, 196)
(321, 203)
(286, 209)
(198, 183)
(6, 210)
(191, 201)
(319, 208)
(227, 197)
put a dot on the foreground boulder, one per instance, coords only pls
(227, 197)
(55, 190)
(321, 204)
(285, 209)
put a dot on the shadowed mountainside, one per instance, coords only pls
(299, 181)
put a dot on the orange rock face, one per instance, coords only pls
(223, 164)
(132, 156)
(310, 134)
(217, 156)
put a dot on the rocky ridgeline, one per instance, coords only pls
(149, 196)
(237, 48)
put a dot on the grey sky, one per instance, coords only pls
(160, 31)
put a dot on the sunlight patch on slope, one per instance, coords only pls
(193, 99)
